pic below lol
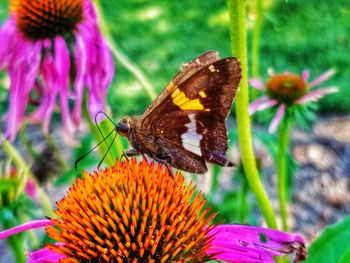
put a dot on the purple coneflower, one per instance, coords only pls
(287, 89)
(139, 212)
(53, 49)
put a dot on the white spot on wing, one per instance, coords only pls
(191, 139)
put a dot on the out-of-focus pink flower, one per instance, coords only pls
(139, 212)
(52, 52)
(31, 190)
(286, 89)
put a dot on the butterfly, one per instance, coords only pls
(185, 126)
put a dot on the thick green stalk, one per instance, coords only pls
(120, 56)
(283, 144)
(237, 12)
(256, 39)
(17, 246)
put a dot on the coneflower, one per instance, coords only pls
(52, 49)
(140, 213)
(287, 89)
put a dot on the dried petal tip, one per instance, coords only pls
(132, 213)
(40, 19)
(286, 88)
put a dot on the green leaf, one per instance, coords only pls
(333, 245)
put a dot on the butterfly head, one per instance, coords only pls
(123, 126)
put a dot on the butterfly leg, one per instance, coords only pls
(129, 153)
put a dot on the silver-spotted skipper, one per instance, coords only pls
(185, 125)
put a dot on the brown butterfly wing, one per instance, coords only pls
(192, 117)
(187, 70)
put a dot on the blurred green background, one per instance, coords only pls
(161, 35)
(158, 36)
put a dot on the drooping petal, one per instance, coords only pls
(49, 94)
(305, 76)
(323, 77)
(87, 37)
(62, 68)
(240, 243)
(80, 55)
(277, 119)
(26, 226)
(261, 104)
(44, 255)
(256, 83)
(89, 12)
(100, 67)
(7, 35)
(23, 68)
(315, 95)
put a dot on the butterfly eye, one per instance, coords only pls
(123, 127)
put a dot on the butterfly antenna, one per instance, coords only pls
(104, 114)
(109, 147)
(98, 126)
(85, 154)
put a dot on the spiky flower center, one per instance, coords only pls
(132, 213)
(286, 88)
(40, 19)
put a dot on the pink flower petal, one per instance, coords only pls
(26, 226)
(255, 83)
(261, 104)
(305, 76)
(7, 36)
(49, 94)
(23, 68)
(80, 54)
(31, 190)
(44, 255)
(100, 68)
(255, 104)
(62, 68)
(323, 77)
(240, 243)
(277, 119)
(315, 95)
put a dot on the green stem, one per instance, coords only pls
(256, 38)
(237, 12)
(283, 144)
(16, 243)
(122, 58)
(12, 153)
